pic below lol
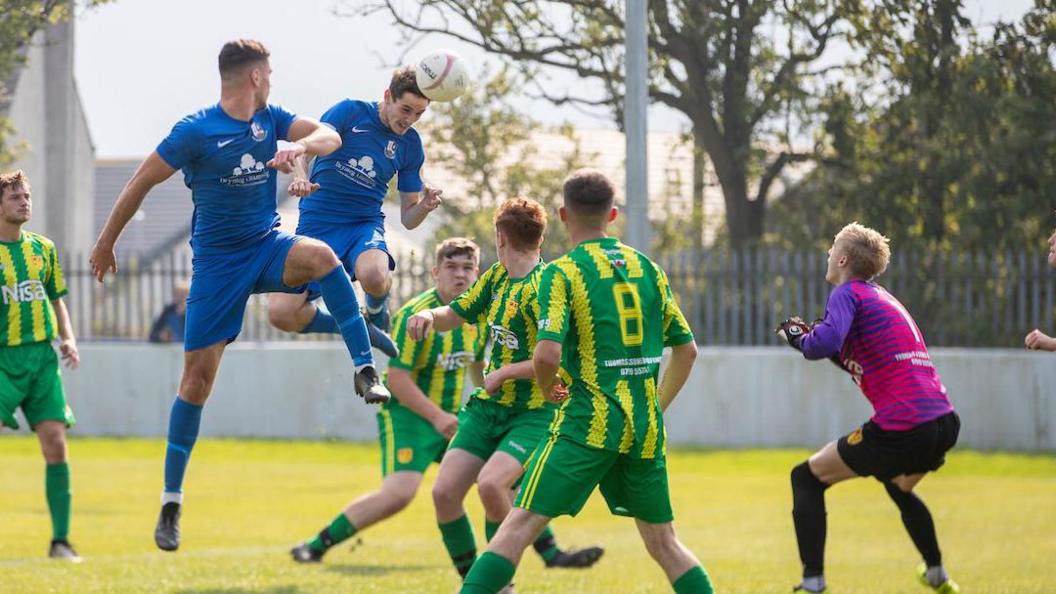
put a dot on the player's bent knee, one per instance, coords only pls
(374, 281)
(283, 318)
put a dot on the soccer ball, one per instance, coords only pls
(442, 75)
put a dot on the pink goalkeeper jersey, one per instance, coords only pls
(880, 345)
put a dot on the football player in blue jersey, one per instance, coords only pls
(348, 186)
(229, 154)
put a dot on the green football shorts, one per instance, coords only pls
(485, 427)
(562, 474)
(29, 378)
(408, 442)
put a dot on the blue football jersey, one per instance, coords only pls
(223, 162)
(353, 180)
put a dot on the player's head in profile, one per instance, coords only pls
(857, 252)
(16, 206)
(589, 200)
(404, 102)
(245, 68)
(519, 227)
(456, 266)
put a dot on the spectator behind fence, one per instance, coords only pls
(168, 326)
(1038, 340)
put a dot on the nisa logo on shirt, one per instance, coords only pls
(504, 337)
(249, 172)
(454, 361)
(24, 292)
(359, 170)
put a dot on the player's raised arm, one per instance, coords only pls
(151, 172)
(440, 319)
(415, 206)
(308, 137)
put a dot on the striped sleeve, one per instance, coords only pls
(54, 282)
(409, 348)
(676, 329)
(553, 301)
(472, 305)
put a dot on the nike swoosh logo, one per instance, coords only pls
(223, 143)
(357, 130)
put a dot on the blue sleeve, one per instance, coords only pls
(337, 116)
(410, 176)
(181, 146)
(827, 337)
(283, 120)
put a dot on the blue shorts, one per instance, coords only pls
(348, 241)
(222, 283)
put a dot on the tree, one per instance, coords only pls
(485, 142)
(20, 20)
(958, 149)
(736, 69)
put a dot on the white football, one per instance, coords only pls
(442, 75)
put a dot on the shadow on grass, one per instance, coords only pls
(377, 570)
(266, 590)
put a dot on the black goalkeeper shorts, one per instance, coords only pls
(872, 451)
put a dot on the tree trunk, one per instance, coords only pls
(698, 196)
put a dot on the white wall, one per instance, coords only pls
(736, 397)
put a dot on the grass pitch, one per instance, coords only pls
(248, 501)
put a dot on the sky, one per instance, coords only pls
(141, 65)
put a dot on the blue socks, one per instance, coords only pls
(340, 299)
(322, 323)
(375, 304)
(184, 419)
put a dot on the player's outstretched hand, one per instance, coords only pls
(286, 158)
(1039, 341)
(300, 187)
(70, 356)
(102, 261)
(431, 198)
(792, 331)
(419, 325)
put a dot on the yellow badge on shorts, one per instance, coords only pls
(855, 437)
(405, 455)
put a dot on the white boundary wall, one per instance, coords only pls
(736, 397)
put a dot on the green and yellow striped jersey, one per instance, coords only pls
(510, 307)
(438, 363)
(32, 278)
(613, 312)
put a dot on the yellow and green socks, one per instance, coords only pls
(489, 574)
(460, 543)
(338, 531)
(57, 490)
(694, 581)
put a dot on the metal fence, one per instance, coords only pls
(729, 297)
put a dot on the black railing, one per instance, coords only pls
(729, 297)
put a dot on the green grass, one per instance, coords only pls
(249, 501)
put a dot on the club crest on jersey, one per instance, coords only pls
(390, 149)
(37, 260)
(511, 307)
(259, 133)
(405, 455)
